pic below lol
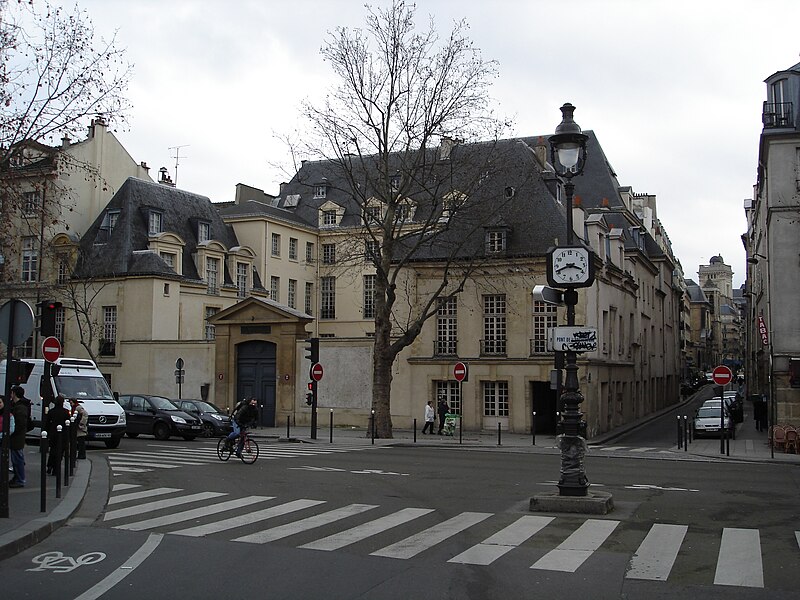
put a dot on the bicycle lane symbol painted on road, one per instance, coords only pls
(58, 563)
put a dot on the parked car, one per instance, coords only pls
(215, 421)
(707, 422)
(158, 416)
(733, 405)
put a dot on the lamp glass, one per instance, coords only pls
(568, 155)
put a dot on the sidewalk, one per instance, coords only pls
(27, 525)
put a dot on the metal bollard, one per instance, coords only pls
(680, 440)
(73, 446)
(373, 425)
(331, 426)
(288, 430)
(43, 460)
(57, 465)
(533, 428)
(65, 454)
(460, 427)
(415, 431)
(499, 442)
(727, 444)
(685, 434)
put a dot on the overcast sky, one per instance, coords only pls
(672, 89)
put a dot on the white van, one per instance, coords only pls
(77, 378)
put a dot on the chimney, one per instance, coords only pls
(65, 142)
(164, 178)
(446, 146)
(540, 151)
(144, 166)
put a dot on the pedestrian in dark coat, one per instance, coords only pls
(443, 410)
(57, 415)
(19, 410)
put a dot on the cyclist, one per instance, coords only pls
(243, 417)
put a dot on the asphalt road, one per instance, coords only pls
(415, 522)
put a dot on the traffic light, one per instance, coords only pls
(310, 394)
(48, 310)
(312, 350)
(19, 371)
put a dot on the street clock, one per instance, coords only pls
(570, 267)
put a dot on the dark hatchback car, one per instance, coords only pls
(215, 421)
(158, 416)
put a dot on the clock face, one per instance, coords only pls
(570, 266)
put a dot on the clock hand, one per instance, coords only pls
(567, 266)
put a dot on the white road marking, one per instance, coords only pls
(739, 561)
(143, 494)
(573, 552)
(195, 513)
(361, 532)
(118, 487)
(656, 555)
(505, 540)
(158, 505)
(428, 538)
(247, 519)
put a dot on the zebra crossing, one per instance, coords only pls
(411, 532)
(167, 456)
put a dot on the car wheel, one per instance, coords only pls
(161, 431)
(208, 430)
(113, 443)
(189, 438)
(132, 435)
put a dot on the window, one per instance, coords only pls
(155, 222)
(494, 324)
(320, 191)
(372, 251)
(31, 201)
(203, 232)
(292, 248)
(30, 259)
(328, 308)
(447, 328)
(403, 212)
(292, 299)
(109, 341)
(495, 241)
(212, 271)
(451, 392)
(241, 279)
(372, 215)
(309, 299)
(394, 182)
(328, 254)
(63, 270)
(544, 317)
(310, 252)
(369, 296)
(60, 318)
(169, 258)
(211, 330)
(275, 288)
(276, 244)
(328, 218)
(495, 398)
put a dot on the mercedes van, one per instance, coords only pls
(76, 378)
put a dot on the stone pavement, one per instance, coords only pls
(28, 525)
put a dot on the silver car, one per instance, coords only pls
(707, 422)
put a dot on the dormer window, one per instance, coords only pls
(372, 214)
(107, 226)
(394, 182)
(154, 224)
(321, 190)
(329, 218)
(496, 241)
(203, 232)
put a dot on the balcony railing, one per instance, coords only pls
(777, 114)
(445, 347)
(493, 347)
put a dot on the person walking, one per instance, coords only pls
(19, 411)
(82, 423)
(11, 423)
(57, 415)
(443, 410)
(430, 415)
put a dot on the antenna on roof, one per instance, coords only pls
(177, 158)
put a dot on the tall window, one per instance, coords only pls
(309, 252)
(155, 222)
(451, 390)
(292, 298)
(372, 250)
(494, 324)
(241, 279)
(495, 398)
(447, 327)
(211, 330)
(292, 248)
(63, 270)
(544, 317)
(108, 346)
(30, 259)
(275, 288)
(31, 201)
(328, 308)
(276, 244)
(60, 318)
(328, 254)
(369, 296)
(212, 271)
(309, 299)
(203, 232)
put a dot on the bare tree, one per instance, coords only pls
(391, 129)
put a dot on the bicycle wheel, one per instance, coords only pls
(223, 450)
(249, 451)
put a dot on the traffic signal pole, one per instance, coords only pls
(312, 354)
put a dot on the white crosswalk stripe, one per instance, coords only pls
(139, 508)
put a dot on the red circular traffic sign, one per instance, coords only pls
(51, 349)
(722, 375)
(316, 371)
(460, 371)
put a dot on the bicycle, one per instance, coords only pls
(249, 448)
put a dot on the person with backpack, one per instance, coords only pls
(244, 415)
(20, 411)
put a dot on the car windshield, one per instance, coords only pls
(708, 412)
(206, 407)
(83, 387)
(162, 403)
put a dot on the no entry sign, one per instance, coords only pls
(51, 349)
(722, 375)
(316, 371)
(460, 371)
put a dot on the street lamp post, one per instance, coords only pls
(772, 405)
(568, 154)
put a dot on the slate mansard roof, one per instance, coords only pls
(125, 250)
